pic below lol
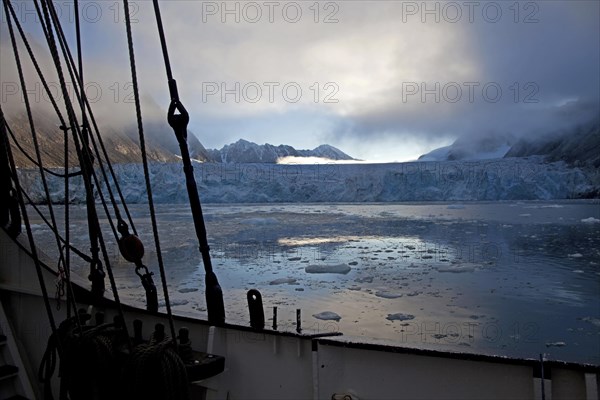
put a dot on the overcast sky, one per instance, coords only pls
(381, 80)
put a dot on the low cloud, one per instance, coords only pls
(367, 77)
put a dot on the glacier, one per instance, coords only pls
(521, 178)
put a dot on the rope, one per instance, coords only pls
(93, 226)
(30, 118)
(70, 301)
(140, 125)
(179, 123)
(63, 274)
(67, 253)
(82, 99)
(47, 170)
(156, 371)
(32, 245)
(83, 133)
(81, 254)
(163, 43)
(48, 9)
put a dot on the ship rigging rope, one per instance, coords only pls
(33, 249)
(82, 99)
(30, 158)
(86, 102)
(70, 301)
(74, 249)
(46, 5)
(62, 119)
(140, 125)
(96, 271)
(178, 118)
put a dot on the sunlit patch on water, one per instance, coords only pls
(312, 241)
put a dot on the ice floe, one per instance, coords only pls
(592, 320)
(328, 269)
(260, 221)
(400, 317)
(388, 295)
(457, 268)
(327, 316)
(283, 281)
(187, 290)
(590, 220)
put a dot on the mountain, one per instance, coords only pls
(121, 143)
(244, 151)
(471, 149)
(579, 146)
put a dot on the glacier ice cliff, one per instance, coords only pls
(528, 178)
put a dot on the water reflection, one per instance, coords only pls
(479, 277)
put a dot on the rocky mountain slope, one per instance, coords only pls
(122, 144)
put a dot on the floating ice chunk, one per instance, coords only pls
(576, 255)
(328, 269)
(455, 207)
(555, 344)
(592, 320)
(282, 281)
(187, 290)
(260, 221)
(400, 317)
(590, 220)
(578, 271)
(457, 268)
(388, 295)
(327, 316)
(174, 303)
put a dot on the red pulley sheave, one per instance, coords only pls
(130, 246)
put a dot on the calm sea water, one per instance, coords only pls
(508, 278)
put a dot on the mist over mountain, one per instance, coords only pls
(471, 149)
(122, 143)
(577, 146)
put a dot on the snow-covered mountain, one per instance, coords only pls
(122, 143)
(244, 151)
(471, 149)
(579, 146)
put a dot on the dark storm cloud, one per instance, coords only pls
(383, 80)
(532, 78)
